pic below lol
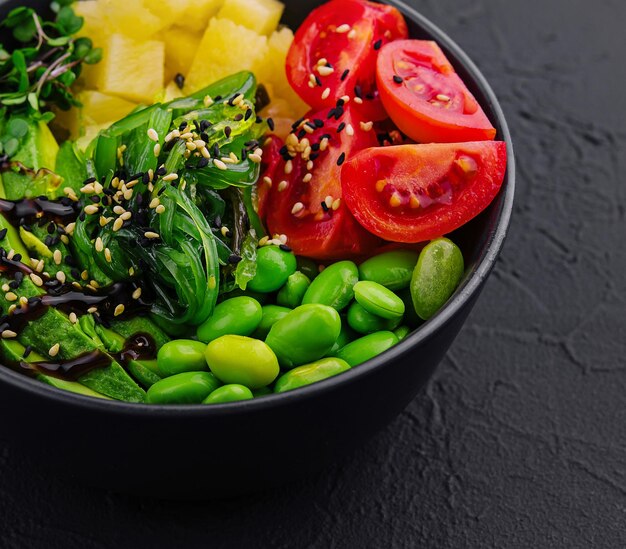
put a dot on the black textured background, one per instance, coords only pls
(520, 438)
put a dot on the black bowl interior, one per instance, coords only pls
(344, 396)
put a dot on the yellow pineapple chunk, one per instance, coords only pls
(100, 108)
(180, 49)
(226, 48)
(190, 14)
(88, 134)
(131, 17)
(261, 16)
(171, 92)
(132, 69)
(93, 15)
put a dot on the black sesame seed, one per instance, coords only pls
(204, 137)
(318, 81)
(218, 98)
(297, 123)
(19, 276)
(378, 44)
(69, 260)
(95, 199)
(55, 240)
(27, 351)
(190, 166)
(136, 176)
(47, 241)
(139, 199)
(89, 180)
(341, 159)
(216, 150)
(34, 300)
(182, 127)
(203, 163)
(370, 96)
(258, 120)
(314, 156)
(238, 117)
(315, 147)
(161, 191)
(43, 198)
(270, 124)
(358, 92)
(146, 178)
(75, 273)
(51, 228)
(248, 115)
(282, 151)
(161, 171)
(82, 216)
(324, 206)
(244, 154)
(13, 284)
(180, 80)
(397, 79)
(311, 125)
(301, 134)
(3, 234)
(204, 125)
(340, 102)
(341, 127)
(339, 113)
(318, 123)
(345, 74)
(285, 248)
(233, 259)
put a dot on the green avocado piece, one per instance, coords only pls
(140, 325)
(144, 375)
(35, 245)
(14, 351)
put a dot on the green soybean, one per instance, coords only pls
(378, 300)
(333, 286)
(364, 322)
(437, 274)
(181, 355)
(185, 388)
(304, 335)
(242, 360)
(291, 294)
(401, 332)
(310, 373)
(391, 269)
(228, 393)
(238, 316)
(367, 347)
(271, 315)
(273, 268)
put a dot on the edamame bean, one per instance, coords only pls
(238, 316)
(181, 355)
(310, 373)
(271, 315)
(304, 335)
(242, 360)
(391, 269)
(333, 286)
(401, 332)
(367, 347)
(228, 393)
(437, 274)
(364, 322)
(378, 300)
(346, 335)
(273, 267)
(291, 294)
(185, 388)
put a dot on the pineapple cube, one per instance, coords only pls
(261, 16)
(180, 49)
(192, 15)
(132, 69)
(93, 15)
(100, 108)
(171, 92)
(131, 17)
(226, 48)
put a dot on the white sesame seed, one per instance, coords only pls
(118, 310)
(57, 256)
(326, 93)
(60, 276)
(297, 208)
(352, 34)
(11, 254)
(92, 310)
(367, 126)
(40, 265)
(187, 135)
(205, 152)
(283, 238)
(227, 160)
(322, 61)
(191, 146)
(160, 209)
(107, 255)
(224, 230)
(37, 281)
(98, 187)
(128, 194)
(157, 149)
(342, 29)
(126, 216)
(10, 296)
(8, 334)
(23, 301)
(219, 164)
(325, 71)
(263, 241)
(288, 167)
(324, 144)
(358, 100)
(12, 308)
(91, 209)
(117, 224)
(73, 318)
(154, 203)
(151, 234)
(207, 101)
(170, 177)
(345, 98)
(131, 271)
(307, 177)
(443, 97)
(137, 293)
(54, 350)
(267, 180)
(255, 158)
(349, 130)
(77, 285)
(88, 189)
(336, 204)
(105, 220)
(6, 287)
(199, 143)
(69, 228)
(153, 135)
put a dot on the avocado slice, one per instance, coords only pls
(14, 351)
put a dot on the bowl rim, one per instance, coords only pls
(469, 288)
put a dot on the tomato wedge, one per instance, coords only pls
(412, 193)
(334, 53)
(305, 201)
(425, 97)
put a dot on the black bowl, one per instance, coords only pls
(210, 451)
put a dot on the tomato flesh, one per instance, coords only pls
(425, 97)
(305, 199)
(334, 53)
(413, 193)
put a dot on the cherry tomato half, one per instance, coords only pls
(334, 53)
(305, 201)
(425, 97)
(412, 193)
